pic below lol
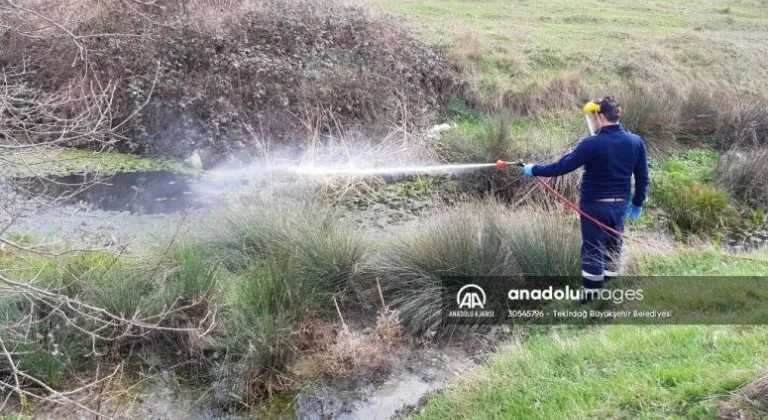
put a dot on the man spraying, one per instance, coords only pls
(610, 156)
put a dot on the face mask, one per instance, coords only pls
(590, 113)
(592, 124)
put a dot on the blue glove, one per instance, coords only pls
(528, 170)
(634, 212)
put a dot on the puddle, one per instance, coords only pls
(135, 192)
(393, 396)
(416, 376)
(368, 402)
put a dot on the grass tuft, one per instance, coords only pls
(744, 122)
(475, 240)
(290, 262)
(416, 270)
(653, 117)
(743, 174)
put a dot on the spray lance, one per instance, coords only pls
(591, 109)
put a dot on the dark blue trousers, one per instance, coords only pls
(600, 250)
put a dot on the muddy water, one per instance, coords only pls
(384, 400)
(415, 374)
(392, 396)
(134, 192)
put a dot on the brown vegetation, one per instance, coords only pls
(743, 174)
(272, 69)
(749, 403)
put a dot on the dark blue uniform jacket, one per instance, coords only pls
(609, 158)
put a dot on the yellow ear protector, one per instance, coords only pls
(591, 107)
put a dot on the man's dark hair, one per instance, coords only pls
(610, 109)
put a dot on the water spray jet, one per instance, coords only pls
(383, 171)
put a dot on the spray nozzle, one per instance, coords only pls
(501, 164)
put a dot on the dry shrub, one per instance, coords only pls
(467, 47)
(744, 120)
(757, 393)
(493, 143)
(568, 186)
(667, 116)
(388, 329)
(338, 352)
(507, 185)
(564, 91)
(743, 174)
(698, 115)
(276, 67)
(749, 403)
(653, 115)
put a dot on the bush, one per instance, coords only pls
(652, 116)
(317, 246)
(416, 271)
(493, 141)
(682, 187)
(744, 121)
(291, 262)
(285, 69)
(743, 174)
(51, 342)
(696, 207)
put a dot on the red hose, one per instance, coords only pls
(576, 208)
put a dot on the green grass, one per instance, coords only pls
(695, 263)
(724, 289)
(544, 131)
(688, 166)
(60, 162)
(683, 188)
(516, 44)
(262, 312)
(620, 372)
